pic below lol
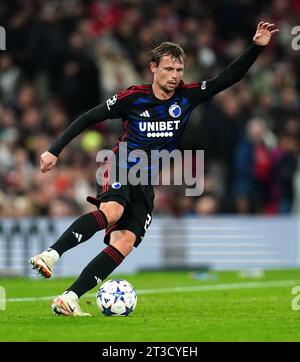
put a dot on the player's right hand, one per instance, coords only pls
(48, 161)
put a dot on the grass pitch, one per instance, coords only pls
(172, 306)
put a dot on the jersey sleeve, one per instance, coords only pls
(112, 108)
(202, 91)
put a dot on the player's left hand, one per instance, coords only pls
(264, 33)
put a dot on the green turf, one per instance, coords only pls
(250, 314)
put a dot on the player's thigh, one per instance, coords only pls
(123, 240)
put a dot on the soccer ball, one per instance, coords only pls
(116, 297)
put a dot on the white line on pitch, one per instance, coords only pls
(196, 288)
(200, 288)
(198, 236)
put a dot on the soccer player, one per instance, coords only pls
(154, 117)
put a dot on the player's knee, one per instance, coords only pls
(112, 210)
(124, 244)
(125, 247)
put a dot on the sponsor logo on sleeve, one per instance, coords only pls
(111, 101)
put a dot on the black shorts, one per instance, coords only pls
(138, 203)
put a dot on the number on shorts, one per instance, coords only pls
(148, 221)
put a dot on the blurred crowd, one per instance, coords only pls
(64, 57)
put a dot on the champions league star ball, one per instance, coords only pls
(116, 297)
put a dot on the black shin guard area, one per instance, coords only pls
(97, 270)
(80, 231)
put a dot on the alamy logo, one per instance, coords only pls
(296, 39)
(142, 168)
(296, 300)
(2, 299)
(2, 38)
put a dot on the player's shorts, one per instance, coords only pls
(138, 203)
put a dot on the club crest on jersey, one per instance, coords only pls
(116, 185)
(175, 110)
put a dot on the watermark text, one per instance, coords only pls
(2, 299)
(155, 167)
(296, 39)
(296, 300)
(2, 38)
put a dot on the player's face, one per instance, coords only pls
(168, 73)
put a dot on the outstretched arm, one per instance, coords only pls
(205, 90)
(100, 113)
(238, 68)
